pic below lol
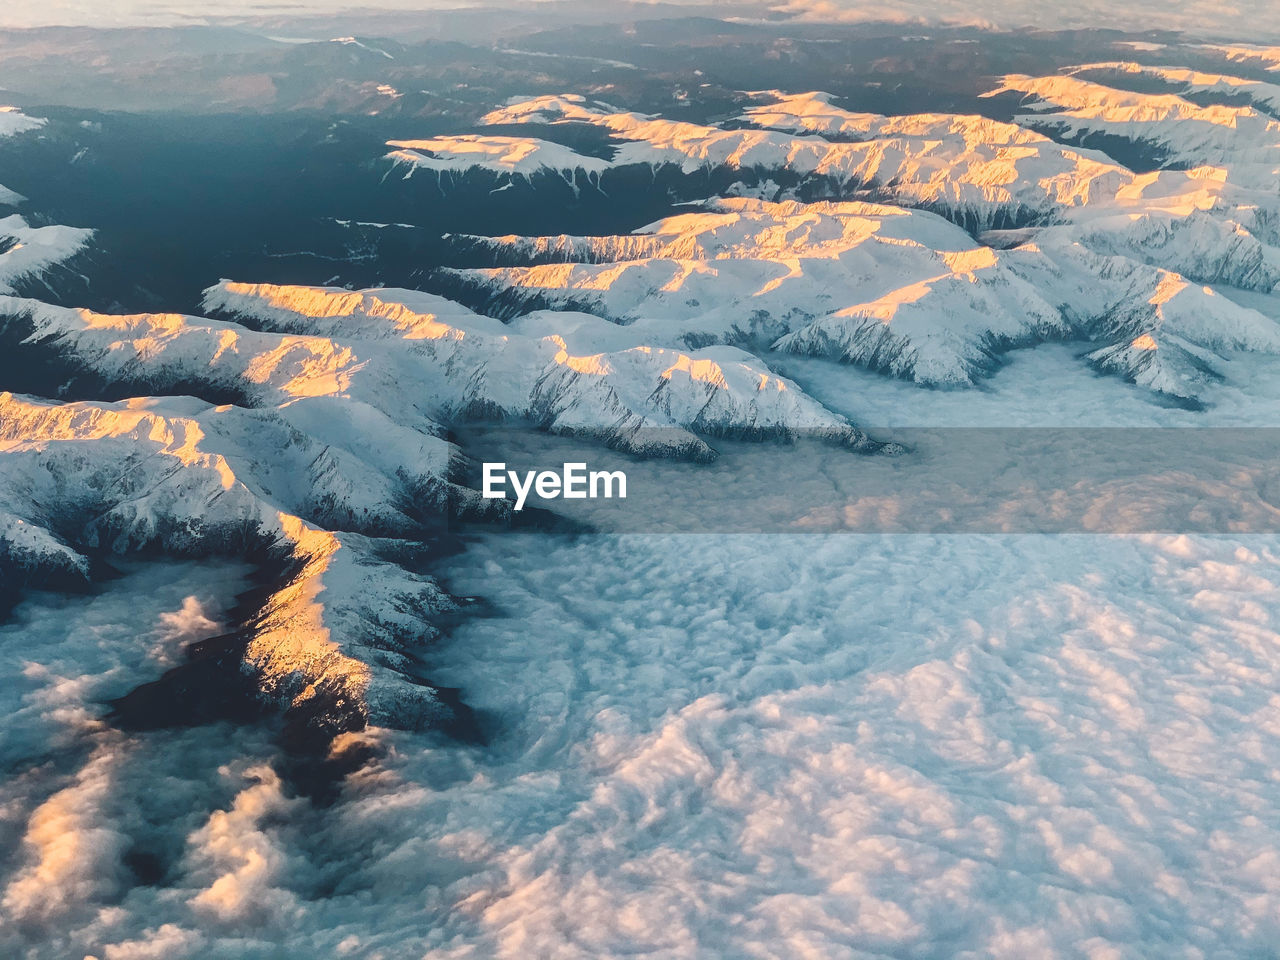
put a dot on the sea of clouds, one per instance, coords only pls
(835, 746)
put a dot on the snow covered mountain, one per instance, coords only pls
(745, 269)
(645, 399)
(27, 252)
(1240, 138)
(332, 458)
(948, 239)
(1268, 58)
(1087, 248)
(904, 292)
(12, 122)
(187, 478)
(977, 171)
(513, 156)
(1185, 81)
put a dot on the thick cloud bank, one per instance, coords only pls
(716, 746)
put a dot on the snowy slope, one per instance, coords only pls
(930, 302)
(903, 292)
(978, 172)
(1090, 247)
(514, 157)
(12, 122)
(1204, 246)
(972, 168)
(641, 397)
(1038, 176)
(1254, 55)
(27, 252)
(817, 113)
(649, 400)
(187, 478)
(1186, 81)
(1242, 139)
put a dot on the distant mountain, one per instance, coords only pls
(1104, 253)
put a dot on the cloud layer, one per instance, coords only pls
(1060, 746)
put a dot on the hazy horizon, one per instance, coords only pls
(1249, 19)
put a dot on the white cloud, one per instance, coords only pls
(241, 859)
(842, 744)
(72, 858)
(189, 623)
(168, 942)
(732, 746)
